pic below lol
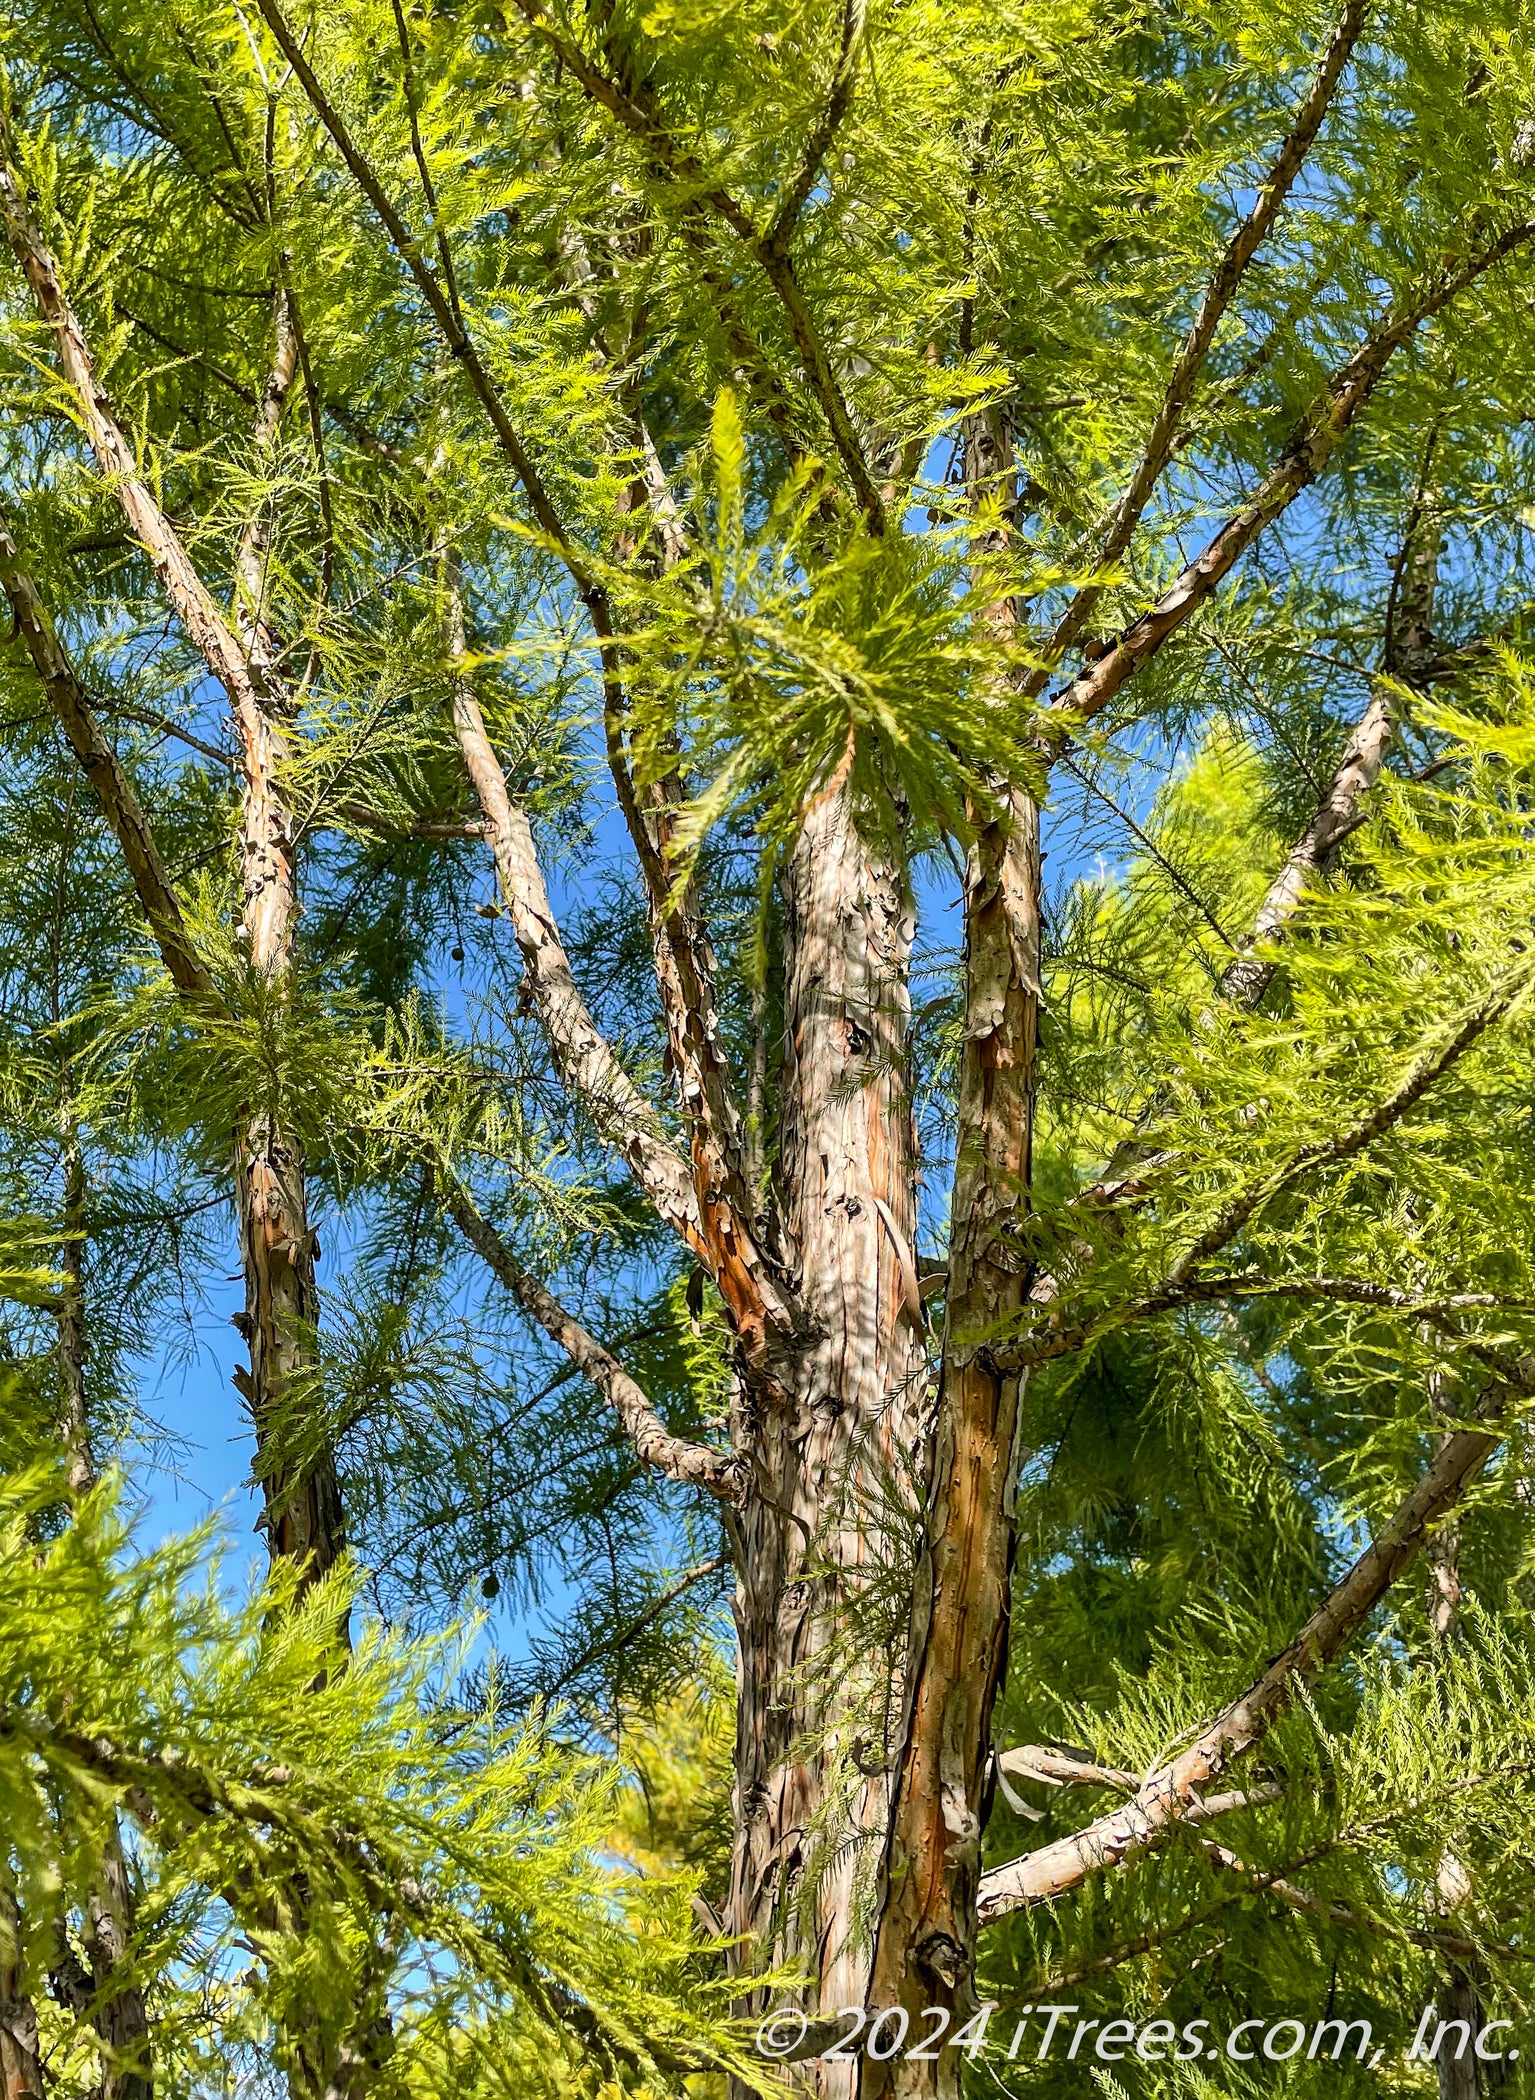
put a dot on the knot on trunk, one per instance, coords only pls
(942, 1958)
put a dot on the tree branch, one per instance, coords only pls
(441, 306)
(1311, 445)
(688, 1196)
(838, 103)
(1170, 1794)
(189, 597)
(634, 108)
(104, 770)
(1408, 651)
(1247, 976)
(1257, 1883)
(1180, 1285)
(722, 1474)
(1332, 1151)
(582, 1055)
(706, 1213)
(1344, 1914)
(1219, 293)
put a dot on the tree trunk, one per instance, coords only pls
(294, 1460)
(1461, 2073)
(926, 1949)
(21, 2069)
(927, 1932)
(824, 1547)
(116, 2009)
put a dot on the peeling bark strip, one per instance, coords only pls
(830, 1523)
(719, 1473)
(1168, 1795)
(926, 1938)
(927, 1933)
(302, 1501)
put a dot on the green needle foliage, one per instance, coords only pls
(503, 486)
(280, 1811)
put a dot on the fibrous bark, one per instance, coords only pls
(823, 1547)
(295, 1465)
(926, 1946)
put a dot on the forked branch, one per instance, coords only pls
(1311, 445)
(636, 109)
(1219, 293)
(1173, 1792)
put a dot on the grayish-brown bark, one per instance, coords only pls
(294, 1462)
(21, 2066)
(1310, 447)
(1408, 654)
(822, 1546)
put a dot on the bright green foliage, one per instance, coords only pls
(263, 1788)
(1019, 213)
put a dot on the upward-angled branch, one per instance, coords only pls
(1311, 445)
(189, 597)
(720, 1473)
(582, 1055)
(1247, 977)
(636, 109)
(702, 1200)
(1052, 1337)
(838, 103)
(651, 806)
(104, 770)
(439, 303)
(302, 1501)
(1219, 293)
(1408, 652)
(1170, 1793)
(1346, 1144)
(706, 1206)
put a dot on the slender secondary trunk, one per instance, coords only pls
(21, 2068)
(824, 1546)
(959, 1653)
(295, 1462)
(118, 2015)
(116, 2009)
(926, 1946)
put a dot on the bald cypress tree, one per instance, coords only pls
(793, 756)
